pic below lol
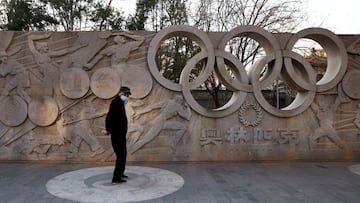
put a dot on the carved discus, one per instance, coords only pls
(43, 110)
(13, 111)
(105, 83)
(139, 80)
(351, 84)
(74, 83)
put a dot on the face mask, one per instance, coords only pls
(124, 98)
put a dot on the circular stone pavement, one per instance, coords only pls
(355, 169)
(94, 184)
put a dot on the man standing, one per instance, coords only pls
(116, 124)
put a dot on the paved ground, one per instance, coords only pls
(203, 182)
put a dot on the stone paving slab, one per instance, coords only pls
(203, 182)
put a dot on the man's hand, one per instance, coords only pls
(105, 132)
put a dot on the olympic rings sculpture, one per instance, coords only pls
(292, 67)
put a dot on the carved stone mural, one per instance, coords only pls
(56, 87)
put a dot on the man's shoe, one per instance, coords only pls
(124, 176)
(118, 182)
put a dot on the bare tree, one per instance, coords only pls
(157, 14)
(223, 15)
(71, 14)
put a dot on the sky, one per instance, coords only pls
(339, 16)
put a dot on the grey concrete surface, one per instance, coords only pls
(207, 182)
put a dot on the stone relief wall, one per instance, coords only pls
(56, 87)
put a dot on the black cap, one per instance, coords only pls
(125, 90)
